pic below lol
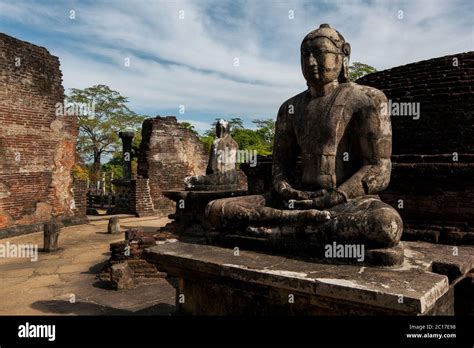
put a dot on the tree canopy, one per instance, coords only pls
(357, 70)
(259, 139)
(99, 127)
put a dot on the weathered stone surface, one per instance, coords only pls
(121, 276)
(255, 283)
(37, 146)
(308, 249)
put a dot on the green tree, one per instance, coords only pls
(260, 139)
(207, 141)
(235, 123)
(266, 130)
(98, 130)
(357, 70)
(249, 139)
(187, 125)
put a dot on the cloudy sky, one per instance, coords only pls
(185, 52)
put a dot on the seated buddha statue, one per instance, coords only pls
(340, 133)
(221, 173)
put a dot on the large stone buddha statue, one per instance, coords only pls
(341, 133)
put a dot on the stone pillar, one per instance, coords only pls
(127, 138)
(51, 234)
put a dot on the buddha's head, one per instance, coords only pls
(222, 128)
(324, 56)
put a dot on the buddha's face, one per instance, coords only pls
(321, 61)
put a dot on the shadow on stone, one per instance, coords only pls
(81, 308)
(96, 268)
(103, 284)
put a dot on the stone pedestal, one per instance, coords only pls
(221, 281)
(122, 197)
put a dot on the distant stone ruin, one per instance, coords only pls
(168, 154)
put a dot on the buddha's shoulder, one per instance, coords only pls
(365, 94)
(294, 101)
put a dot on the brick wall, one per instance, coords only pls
(140, 201)
(431, 183)
(168, 153)
(446, 96)
(37, 148)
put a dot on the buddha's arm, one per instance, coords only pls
(374, 128)
(211, 164)
(285, 150)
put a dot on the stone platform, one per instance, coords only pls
(221, 281)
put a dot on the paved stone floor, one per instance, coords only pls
(48, 285)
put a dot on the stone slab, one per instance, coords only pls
(410, 289)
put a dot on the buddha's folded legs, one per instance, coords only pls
(366, 220)
(256, 209)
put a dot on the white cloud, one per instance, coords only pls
(200, 126)
(190, 61)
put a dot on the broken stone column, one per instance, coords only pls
(127, 138)
(51, 235)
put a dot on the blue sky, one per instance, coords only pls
(190, 61)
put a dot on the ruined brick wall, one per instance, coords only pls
(140, 201)
(37, 148)
(168, 153)
(433, 162)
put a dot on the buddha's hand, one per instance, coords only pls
(288, 193)
(327, 199)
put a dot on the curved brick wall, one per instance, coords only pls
(446, 96)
